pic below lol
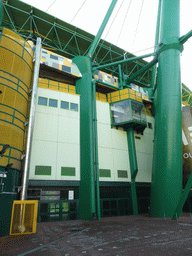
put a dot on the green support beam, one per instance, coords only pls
(154, 69)
(183, 198)
(142, 70)
(166, 186)
(133, 167)
(124, 61)
(101, 29)
(184, 38)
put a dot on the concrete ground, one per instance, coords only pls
(124, 235)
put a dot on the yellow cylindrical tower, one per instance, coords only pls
(16, 67)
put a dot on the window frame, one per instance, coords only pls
(53, 106)
(42, 98)
(74, 104)
(65, 102)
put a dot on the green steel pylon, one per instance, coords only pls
(166, 185)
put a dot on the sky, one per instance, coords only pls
(131, 27)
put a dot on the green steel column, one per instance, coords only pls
(166, 184)
(1, 11)
(133, 167)
(87, 202)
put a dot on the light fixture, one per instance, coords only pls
(4, 149)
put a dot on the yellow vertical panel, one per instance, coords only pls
(20, 116)
(22, 106)
(124, 91)
(13, 35)
(17, 138)
(42, 85)
(18, 123)
(21, 70)
(7, 77)
(6, 109)
(7, 60)
(15, 153)
(63, 89)
(28, 58)
(53, 87)
(23, 92)
(124, 96)
(138, 94)
(29, 48)
(132, 96)
(9, 96)
(116, 98)
(5, 117)
(51, 82)
(116, 93)
(62, 85)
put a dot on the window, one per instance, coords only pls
(64, 104)
(150, 125)
(42, 101)
(53, 103)
(74, 107)
(42, 170)
(67, 171)
(122, 174)
(104, 173)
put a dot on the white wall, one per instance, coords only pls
(56, 137)
(113, 148)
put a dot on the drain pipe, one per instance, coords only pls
(96, 160)
(133, 167)
(31, 117)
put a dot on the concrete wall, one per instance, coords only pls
(56, 142)
(113, 148)
(56, 137)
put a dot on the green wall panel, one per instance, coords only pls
(122, 174)
(67, 171)
(42, 170)
(104, 173)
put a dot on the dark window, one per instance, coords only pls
(42, 101)
(150, 125)
(74, 107)
(64, 105)
(53, 103)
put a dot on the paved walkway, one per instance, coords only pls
(128, 235)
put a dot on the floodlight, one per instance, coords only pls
(4, 149)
